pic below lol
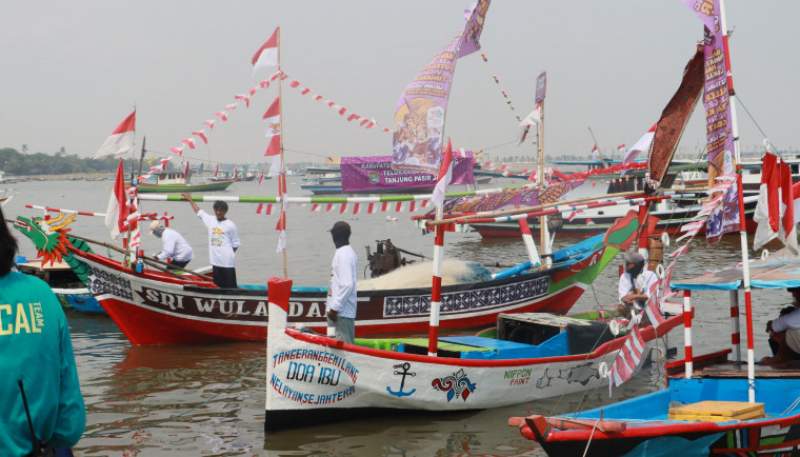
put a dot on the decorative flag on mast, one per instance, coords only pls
(719, 117)
(273, 118)
(267, 55)
(420, 111)
(673, 120)
(535, 116)
(117, 210)
(444, 178)
(120, 142)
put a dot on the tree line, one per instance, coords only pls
(14, 162)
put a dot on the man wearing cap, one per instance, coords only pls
(635, 282)
(341, 302)
(174, 248)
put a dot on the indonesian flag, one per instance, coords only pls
(273, 118)
(121, 140)
(445, 176)
(117, 210)
(628, 358)
(643, 145)
(775, 208)
(267, 55)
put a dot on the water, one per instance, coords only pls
(209, 400)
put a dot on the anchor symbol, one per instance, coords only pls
(401, 369)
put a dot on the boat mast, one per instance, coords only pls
(748, 301)
(282, 176)
(544, 233)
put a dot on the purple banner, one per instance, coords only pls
(420, 112)
(541, 88)
(375, 174)
(511, 198)
(716, 101)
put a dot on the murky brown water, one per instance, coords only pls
(209, 400)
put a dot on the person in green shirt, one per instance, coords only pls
(43, 411)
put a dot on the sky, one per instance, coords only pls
(72, 70)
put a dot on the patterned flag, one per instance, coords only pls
(628, 358)
(273, 118)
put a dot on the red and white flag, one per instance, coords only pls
(201, 134)
(445, 176)
(642, 145)
(117, 211)
(776, 204)
(628, 358)
(267, 55)
(120, 142)
(621, 148)
(273, 118)
(653, 308)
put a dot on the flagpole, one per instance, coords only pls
(748, 300)
(282, 175)
(544, 235)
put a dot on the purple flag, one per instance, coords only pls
(716, 101)
(420, 112)
(375, 174)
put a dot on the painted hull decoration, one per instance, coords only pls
(312, 378)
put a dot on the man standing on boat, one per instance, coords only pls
(174, 248)
(223, 241)
(341, 303)
(635, 282)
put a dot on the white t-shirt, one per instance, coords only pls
(787, 321)
(174, 246)
(643, 282)
(342, 292)
(223, 238)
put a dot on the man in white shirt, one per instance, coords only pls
(784, 333)
(174, 248)
(341, 303)
(635, 282)
(223, 241)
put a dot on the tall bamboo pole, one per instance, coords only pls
(282, 176)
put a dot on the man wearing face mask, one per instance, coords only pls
(634, 284)
(341, 302)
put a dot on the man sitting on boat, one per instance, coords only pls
(174, 248)
(223, 241)
(784, 333)
(635, 283)
(341, 303)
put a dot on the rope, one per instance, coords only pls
(591, 435)
(503, 92)
(753, 119)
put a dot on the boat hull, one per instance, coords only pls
(313, 379)
(145, 188)
(150, 310)
(649, 433)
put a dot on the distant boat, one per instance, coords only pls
(178, 182)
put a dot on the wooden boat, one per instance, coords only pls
(159, 308)
(313, 378)
(670, 421)
(177, 182)
(64, 283)
(595, 220)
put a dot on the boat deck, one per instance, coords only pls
(739, 370)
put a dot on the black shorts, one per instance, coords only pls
(224, 277)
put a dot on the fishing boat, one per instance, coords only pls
(313, 379)
(720, 405)
(708, 407)
(178, 182)
(63, 281)
(155, 307)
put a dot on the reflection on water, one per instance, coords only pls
(209, 400)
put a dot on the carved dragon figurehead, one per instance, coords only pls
(49, 235)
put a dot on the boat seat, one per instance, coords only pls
(494, 349)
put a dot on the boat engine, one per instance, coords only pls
(387, 257)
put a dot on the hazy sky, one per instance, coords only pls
(72, 70)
